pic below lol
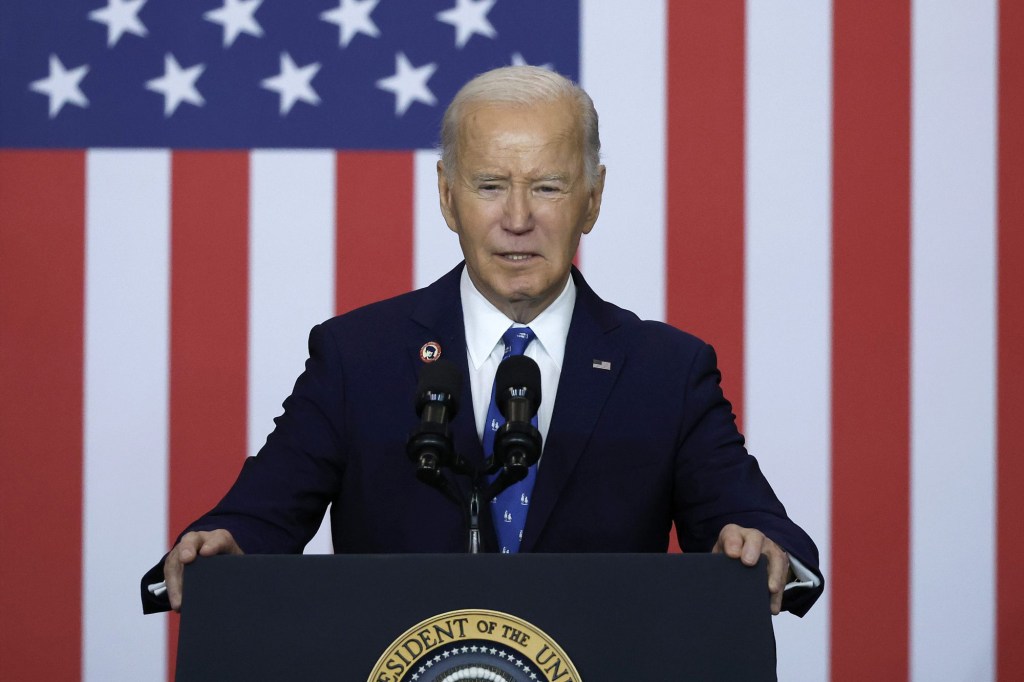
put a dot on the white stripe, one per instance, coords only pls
(952, 610)
(126, 407)
(435, 247)
(291, 278)
(788, 284)
(622, 66)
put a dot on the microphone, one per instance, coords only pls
(517, 443)
(517, 388)
(437, 401)
(437, 394)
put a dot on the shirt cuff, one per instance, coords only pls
(804, 577)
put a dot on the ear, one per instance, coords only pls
(594, 202)
(444, 193)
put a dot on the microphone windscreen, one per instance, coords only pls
(442, 376)
(516, 372)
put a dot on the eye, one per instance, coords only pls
(488, 186)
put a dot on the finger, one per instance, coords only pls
(218, 542)
(778, 571)
(778, 567)
(173, 575)
(189, 545)
(753, 546)
(730, 541)
(776, 587)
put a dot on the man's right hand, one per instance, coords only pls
(193, 544)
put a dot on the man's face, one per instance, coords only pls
(519, 201)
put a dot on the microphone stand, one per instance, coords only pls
(519, 448)
(474, 522)
(430, 449)
(430, 471)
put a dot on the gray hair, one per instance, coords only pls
(523, 86)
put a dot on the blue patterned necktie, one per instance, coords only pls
(509, 508)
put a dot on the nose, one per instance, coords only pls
(518, 211)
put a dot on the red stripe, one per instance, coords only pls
(209, 333)
(1010, 378)
(704, 244)
(42, 271)
(704, 184)
(375, 227)
(871, 340)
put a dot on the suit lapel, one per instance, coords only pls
(583, 389)
(438, 317)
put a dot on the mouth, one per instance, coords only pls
(516, 257)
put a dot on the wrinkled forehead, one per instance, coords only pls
(501, 128)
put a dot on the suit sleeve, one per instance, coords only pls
(719, 483)
(280, 496)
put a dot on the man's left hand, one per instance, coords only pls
(747, 545)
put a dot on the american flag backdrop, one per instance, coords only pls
(187, 186)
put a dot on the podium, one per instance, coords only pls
(564, 617)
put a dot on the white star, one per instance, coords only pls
(61, 86)
(177, 85)
(236, 16)
(469, 17)
(293, 83)
(352, 17)
(409, 84)
(519, 60)
(120, 16)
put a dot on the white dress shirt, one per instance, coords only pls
(485, 325)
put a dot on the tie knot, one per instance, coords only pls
(516, 339)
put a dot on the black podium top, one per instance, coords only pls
(617, 617)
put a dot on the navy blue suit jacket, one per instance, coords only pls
(630, 449)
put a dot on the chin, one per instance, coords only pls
(517, 295)
(519, 290)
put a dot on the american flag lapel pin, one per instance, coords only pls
(602, 364)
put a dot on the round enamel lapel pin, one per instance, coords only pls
(430, 352)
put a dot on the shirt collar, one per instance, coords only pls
(485, 324)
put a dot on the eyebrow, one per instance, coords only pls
(491, 177)
(553, 177)
(485, 177)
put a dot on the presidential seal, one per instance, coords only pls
(474, 645)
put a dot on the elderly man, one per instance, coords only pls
(637, 434)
